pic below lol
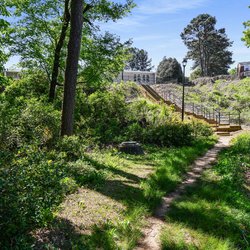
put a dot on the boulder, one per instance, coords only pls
(131, 147)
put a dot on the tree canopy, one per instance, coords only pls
(246, 32)
(41, 31)
(139, 60)
(4, 34)
(168, 69)
(207, 46)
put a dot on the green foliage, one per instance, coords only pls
(228, 96)
(104, 58)
(168, 69)
(32, 122)
(207, 46)
(4, 81)
(235, 162)
(38, 29)
(5, 32)
(139, 60)
(246, 33)
(170, 173)
(215, 212)
(195, 74)
(109, 119)
(200, 128)
(233, 71)
(38, 169)
(34, 181)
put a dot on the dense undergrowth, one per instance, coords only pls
(38, 168)
(215, 213)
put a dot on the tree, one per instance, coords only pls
(207, 46)
(58, 49)
(39, 34)
(139, 60)
(74, 46)
(102, 58)
(168, 69)
(246, 37)
(42, 32)
(4, 35)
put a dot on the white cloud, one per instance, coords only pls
(150, 7)
(134, 21)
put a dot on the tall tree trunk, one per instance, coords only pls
(74, 46)
(201, 57)
(59, 45)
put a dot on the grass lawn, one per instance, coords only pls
(108, 212)
(215, 213)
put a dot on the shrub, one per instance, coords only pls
(31, 122)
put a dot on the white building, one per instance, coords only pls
(15, 74)
(140, 77)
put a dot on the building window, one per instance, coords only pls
(134, 77)
(139, 78)
(144, 78)
(147, 78)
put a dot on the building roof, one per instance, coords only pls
(244, 63)
(138, 72)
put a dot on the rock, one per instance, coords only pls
(131, 147)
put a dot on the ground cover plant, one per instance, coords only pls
(38, 169)
(214, 214)
(227, 96)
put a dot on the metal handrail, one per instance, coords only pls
(209, 113)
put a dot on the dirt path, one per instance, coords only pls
(151, 233)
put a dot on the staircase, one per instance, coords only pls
(223, 123)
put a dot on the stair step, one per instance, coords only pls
(223, 133)
(228, 128)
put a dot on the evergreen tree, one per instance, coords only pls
(167, 70)
(207, 46)
(139, 60)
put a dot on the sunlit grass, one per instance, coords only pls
(165, 168)
(214, 214)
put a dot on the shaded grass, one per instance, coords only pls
(143, 193)
(214, 214)
(123, 178)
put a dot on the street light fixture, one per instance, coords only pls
(184, 63)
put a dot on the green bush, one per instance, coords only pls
(110, 117)
(31, 122)
(200, 128)
(34, 182)
(31, 186)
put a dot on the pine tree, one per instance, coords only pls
(207, 46)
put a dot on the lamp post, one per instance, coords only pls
(184, 63)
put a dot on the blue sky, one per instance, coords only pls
(155, 25)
